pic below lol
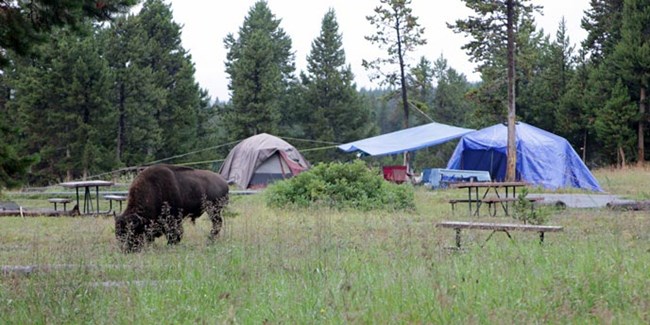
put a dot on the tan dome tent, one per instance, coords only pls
(260, 160)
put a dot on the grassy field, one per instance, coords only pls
(333, 267)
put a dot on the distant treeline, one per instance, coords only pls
(100, 97)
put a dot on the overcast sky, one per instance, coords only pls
(206, 23)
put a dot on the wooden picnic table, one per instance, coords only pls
(501, 193)
(503, 227)
(87, 185)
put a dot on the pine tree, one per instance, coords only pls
(135, 95)
(632, 58)
(63, 97)
(27, 23)
(602, 22)
(399, 33)
(494, 33)
(260, 65)
(21, 32)
(173, 73)
(451, 105)
(334, 110)
(613, 123)
(572, 118)
(422, 91)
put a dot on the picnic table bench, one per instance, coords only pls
(492, 202)
(503, 227)
(113, 197)
(57, 200)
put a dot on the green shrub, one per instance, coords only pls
(524, 210)
(337, 185)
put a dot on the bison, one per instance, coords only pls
(161, 196)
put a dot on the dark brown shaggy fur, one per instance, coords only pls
(161, 196)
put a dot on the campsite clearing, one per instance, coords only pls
(327, 266)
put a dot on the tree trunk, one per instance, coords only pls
(641, 138)
(584, 146)
(121, 122)
(68, 155)
(512, 149)
(405, 104)
(621, 156)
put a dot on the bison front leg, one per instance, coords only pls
(174, 231)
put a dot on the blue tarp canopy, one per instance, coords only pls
(406, 140)
(543, 158)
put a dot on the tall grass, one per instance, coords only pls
(308, 266)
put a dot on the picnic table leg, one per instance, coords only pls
(87, 200)
(457, 237)
(469, 200)
(76, 188)
(97, 198)
(541, 237)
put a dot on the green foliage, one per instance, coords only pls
(322, 266)
(26, 23)
(603, 25)
(525, 211)
(173, 77)
(337, 185)
(450, 102)
(331, 110)
(260, 65)
(488, 47)
(398, 33)
(614, 123)
(64, 107)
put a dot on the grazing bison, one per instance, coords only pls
(161, 196)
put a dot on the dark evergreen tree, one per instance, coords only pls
(421, 92)
(613, 124)
(543, 69)
(632, 58)
(493, 33)
(25, 23)
(135, 94)
(334, 109)
(451, 104)
(260, 66)
(63, 99)
(602, 21)
(173, 73)
(572, 118)
(399, 33)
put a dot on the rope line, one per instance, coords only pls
(309, 140)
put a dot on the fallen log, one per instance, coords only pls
(629, 205)
(26, 270)
(40, 213)
(133, 283)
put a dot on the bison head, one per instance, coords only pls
(129, 232)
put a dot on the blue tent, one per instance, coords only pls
(406, 140)
(543, 158)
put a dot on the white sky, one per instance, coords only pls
(206, 24)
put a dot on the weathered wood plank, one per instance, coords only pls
(497, 226)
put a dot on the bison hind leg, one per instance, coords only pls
(214, 212)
